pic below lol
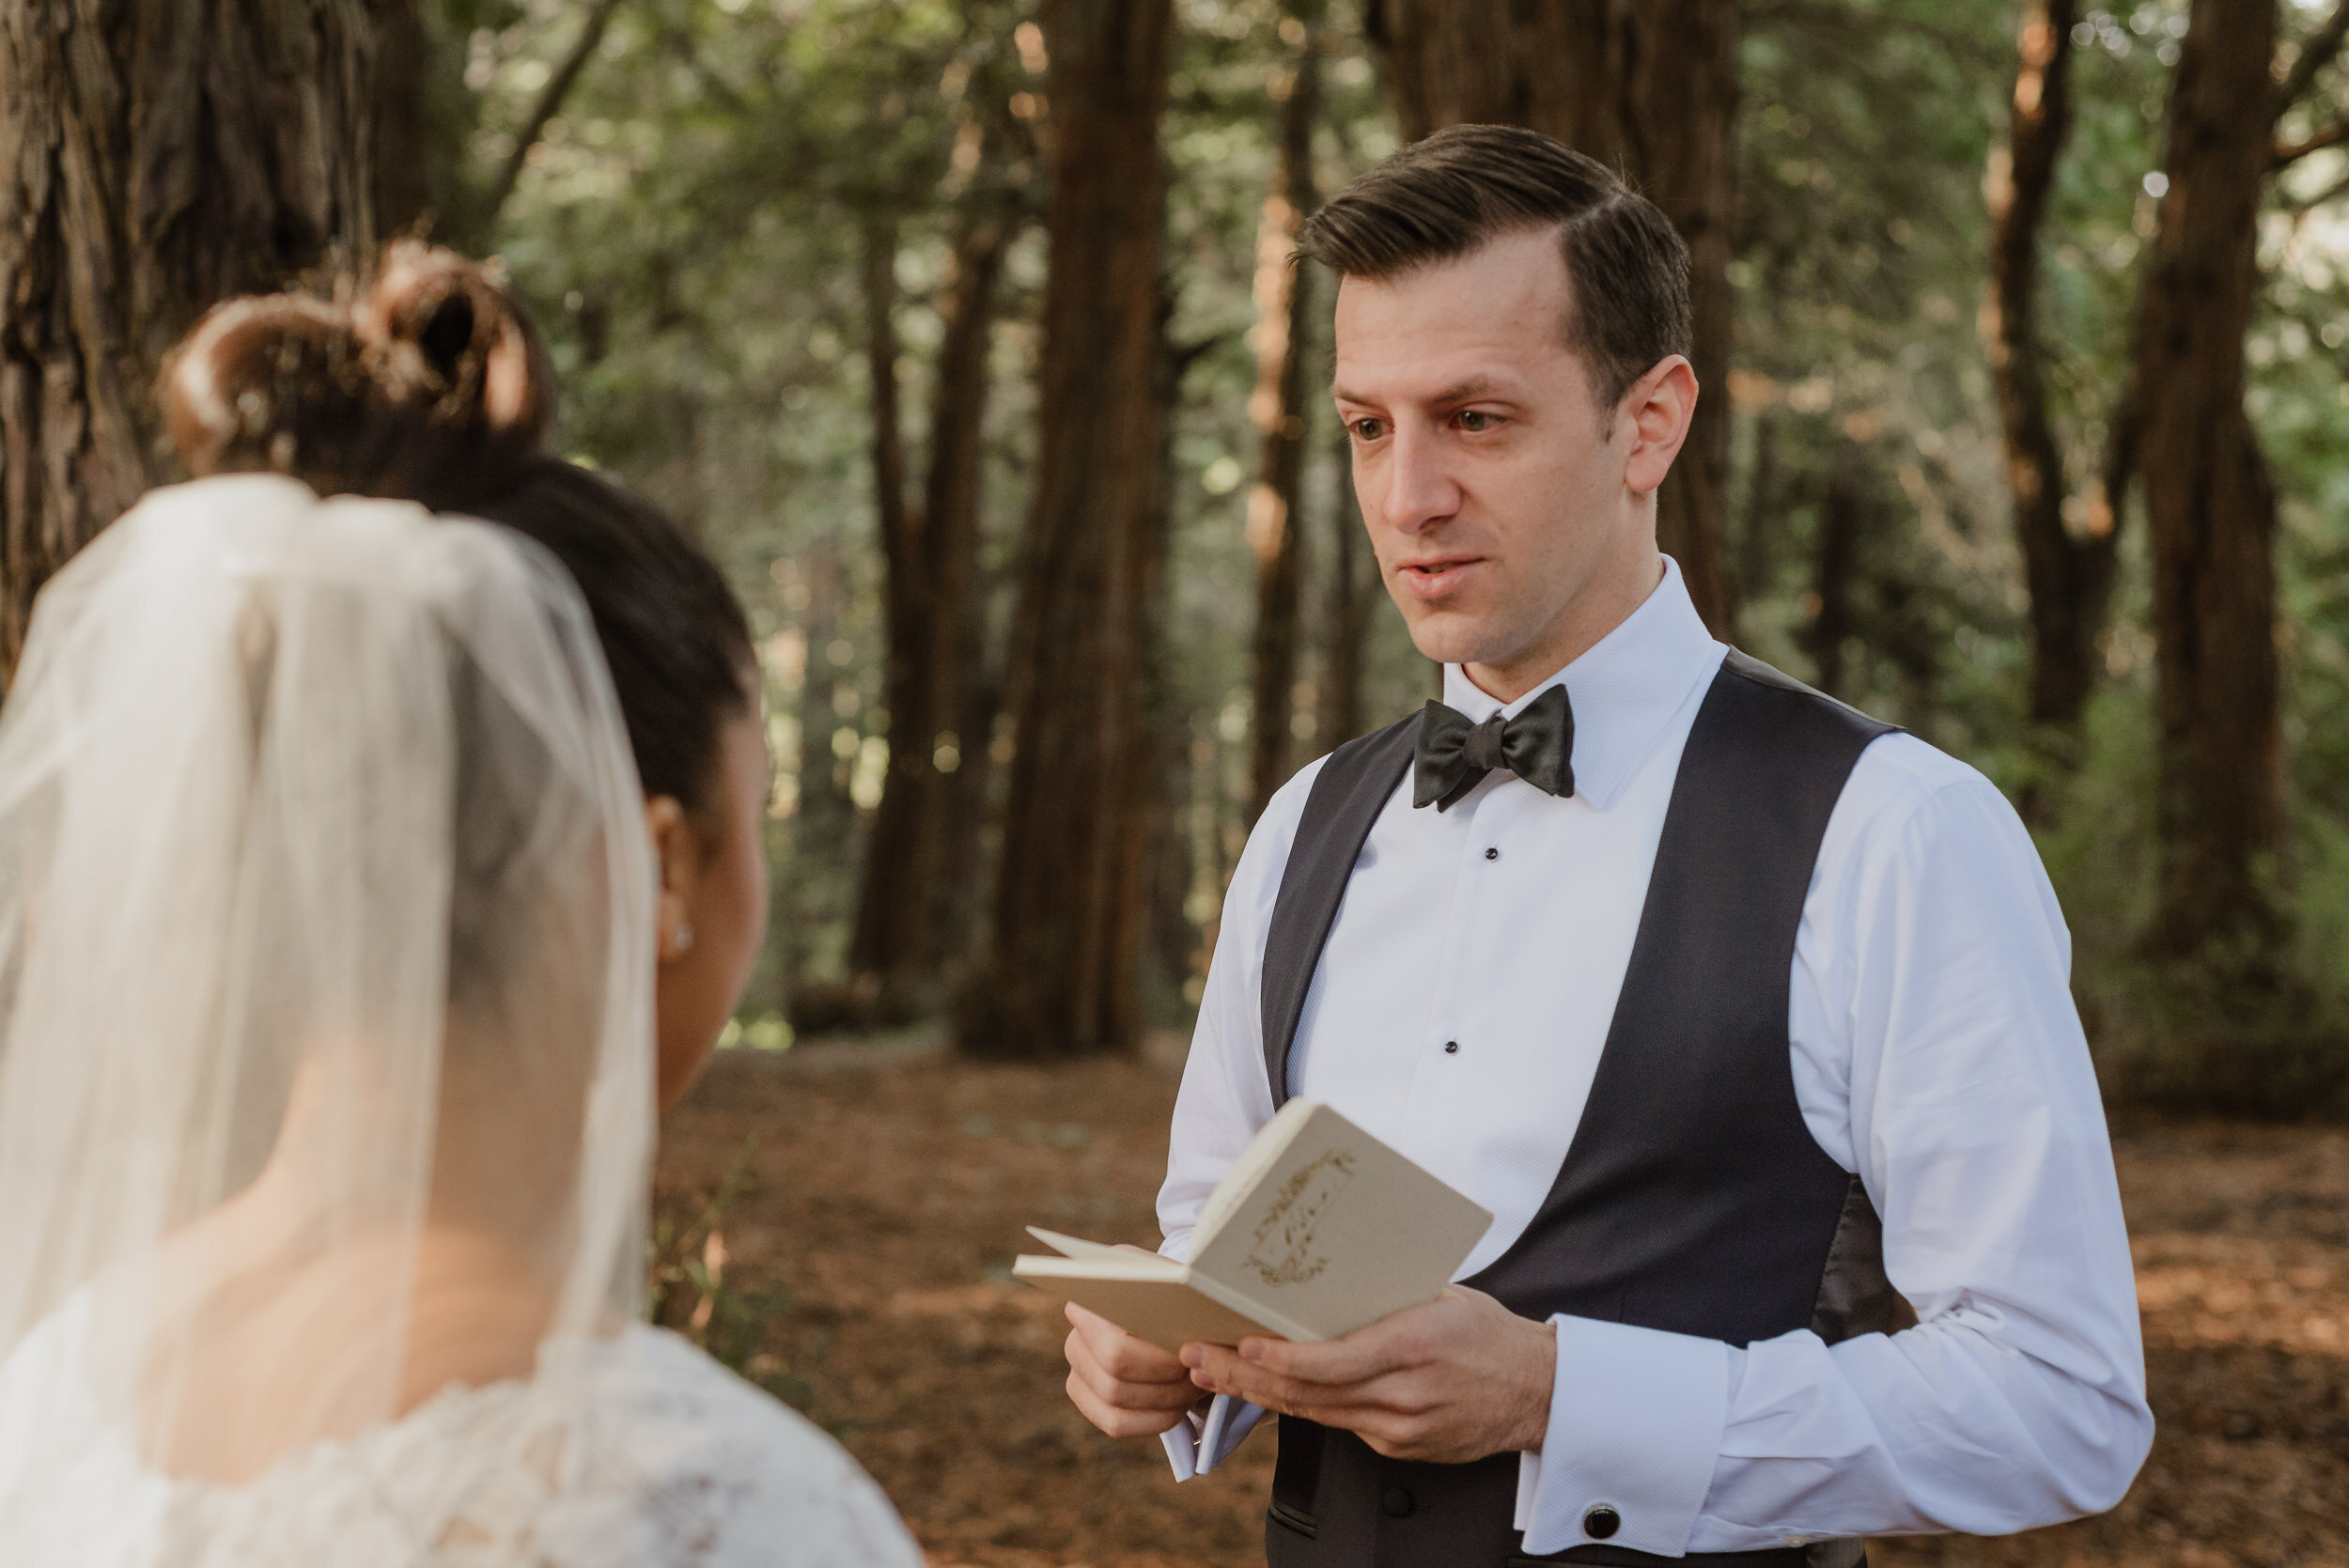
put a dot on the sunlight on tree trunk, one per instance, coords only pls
(156, 163)
(2068, 574)
(1059, 976)
(1284, 300)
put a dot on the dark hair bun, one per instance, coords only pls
(432, 386)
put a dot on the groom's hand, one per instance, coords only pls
(1127, 1387)
(1455, 1380)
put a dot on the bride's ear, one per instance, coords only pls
(677, 852)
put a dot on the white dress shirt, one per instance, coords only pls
(1935, 1053)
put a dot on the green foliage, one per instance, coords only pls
(690, 1288)
(690, 226)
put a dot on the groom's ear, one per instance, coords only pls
(677, 853)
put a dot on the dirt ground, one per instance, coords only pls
(864, 1246)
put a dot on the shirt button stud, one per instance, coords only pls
(1395, 1502)
(1451, 1048)
(1492, 854)
(1601, 1522)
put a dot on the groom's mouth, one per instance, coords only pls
(1437, 576)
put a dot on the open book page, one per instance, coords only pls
(1094, 1251)
(1317, 1230)
(1150, 1296)
(1169, 1311)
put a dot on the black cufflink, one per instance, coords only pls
(1601, 1522)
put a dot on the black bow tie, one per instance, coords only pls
(1452, 755)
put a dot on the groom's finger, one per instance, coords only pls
(1360, 1356)
(1114, 1420)
(1318, 1372)
(1119, 1354)
(1121, 1384)
(1126, 1393)
(1222, 1372)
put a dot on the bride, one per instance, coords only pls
(336, 937)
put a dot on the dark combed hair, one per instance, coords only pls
(430, 386)
(1446, 196)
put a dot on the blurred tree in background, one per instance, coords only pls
(150, 165)
(2021, 325)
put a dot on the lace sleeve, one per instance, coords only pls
(636, 1452)
(691, 1468)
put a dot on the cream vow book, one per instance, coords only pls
(1317, 1230)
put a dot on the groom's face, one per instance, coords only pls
(1491, 478)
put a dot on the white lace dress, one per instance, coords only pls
(634, 1452)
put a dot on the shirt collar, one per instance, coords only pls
(1625, 688)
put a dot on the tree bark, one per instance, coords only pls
(154, 159)
(1170, 940)
(2069, 576)
(1352, 596)
(930, 554)
(1059, 977)
(1835, 572)
(1283, 326)
(1647, 86)
(2210, 504)
(892, 906)
(1680, 130)
(825, 811)
(403, 130)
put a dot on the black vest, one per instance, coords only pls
(1692, 1198)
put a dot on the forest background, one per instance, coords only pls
(964, 333)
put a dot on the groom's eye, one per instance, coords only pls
(1475, 420)
(1369, 429)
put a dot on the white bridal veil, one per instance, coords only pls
(326, 974)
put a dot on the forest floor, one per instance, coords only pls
(868, 1230)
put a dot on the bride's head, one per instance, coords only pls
(430, 384)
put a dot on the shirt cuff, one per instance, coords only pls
(1636, 1417)
(1200, 1443)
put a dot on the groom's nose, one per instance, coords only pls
(1420, 486)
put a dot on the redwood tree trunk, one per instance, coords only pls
(1649, 87)
(1680, 134)
(891, 906)
(2209, 500)
(1283, 324)
(1835, 569)
(1353, 595)
(153, 159)
(931, 556)
(1059, 976)
(2069, 576)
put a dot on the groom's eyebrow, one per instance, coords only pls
(1465, 391)
(1468, 391)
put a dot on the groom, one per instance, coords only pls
(1746, 1015)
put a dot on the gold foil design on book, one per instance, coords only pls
(1283, 1252)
